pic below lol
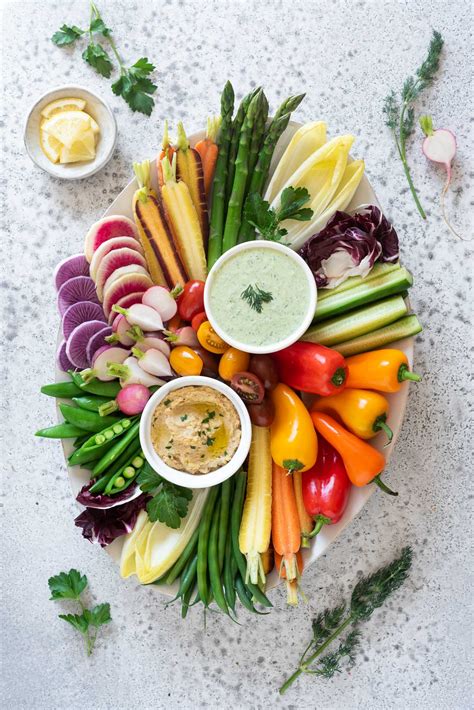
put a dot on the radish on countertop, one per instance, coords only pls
(131, 373)
(131, 400)
(103, 357)
(439, 146)
(154, 362)
(143, 316)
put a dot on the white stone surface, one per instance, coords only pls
(346, 56)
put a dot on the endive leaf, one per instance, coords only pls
(307, 139)
(127, 559)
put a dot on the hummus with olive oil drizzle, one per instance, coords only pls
(195, 429)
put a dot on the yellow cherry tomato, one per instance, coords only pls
(232, 362)
(209, 339)
(293, 440)
(185, 361)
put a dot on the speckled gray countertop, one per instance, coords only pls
(346, 55)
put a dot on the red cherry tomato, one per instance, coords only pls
(248, 386)
(198, 320)
(191, 301)
(264, 367)
(211, 362)
(262, 414)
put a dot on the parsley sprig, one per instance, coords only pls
(368, 595)
(169, 503)
(70, 586)
(256, 297)
(134, 84)
(266, 220)
(400, 114)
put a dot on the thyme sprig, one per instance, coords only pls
(367, 596)
(400, 114)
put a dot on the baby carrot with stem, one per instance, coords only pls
(286, 530)
(209, 150)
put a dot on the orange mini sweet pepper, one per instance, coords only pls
(363, 412)
(383, 370)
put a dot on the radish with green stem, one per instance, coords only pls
(143, 316)
(439, 146)
(182, 336)
(131, 373)
(162, 300)
(103, 357)
(120, 328)
(151, 341)
(131, 400)
(154, 362)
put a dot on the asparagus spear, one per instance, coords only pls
(236, 200)
(260, 173)
(216, 226)
(257, 136)
(234, 142)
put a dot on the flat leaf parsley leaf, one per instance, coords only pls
(97, 57)
(266, 219)
(67, 585)
(66, 35)
(169, 505)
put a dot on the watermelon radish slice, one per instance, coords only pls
(116, 259)
(124, 271)
(79, 288)
(81, 312)
(110, 245)
(76, 344)
(108, 228)
(124, 285)
(62, 359)
(69, 268)
(97, 341)
(126, 302)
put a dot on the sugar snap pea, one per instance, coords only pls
(108, 433)
(122, 461)
(88, 421)
(203, 542)
(77, 443)
(82, 455)
(125, 475)
(60, 431)
(66, 390)
(116, 449)
(236, 516)
(213, 560)
(89, 401)
(103, 389)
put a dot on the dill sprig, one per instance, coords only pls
(400, 115)
(367, 596)
(256, 297)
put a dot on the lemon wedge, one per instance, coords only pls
(50, 146)
(68, 126)
(66, 104)
(80, 150)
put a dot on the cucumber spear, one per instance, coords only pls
(216, 226)
(236, 200)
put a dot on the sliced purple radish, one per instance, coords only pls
(79, 288)
(110, 245)
(97, 341)
(105, 229)
(124, 286)
(81, 312)
(62, 359)
(125, 302)
(76, 344)
(115, 260)
(69, 268)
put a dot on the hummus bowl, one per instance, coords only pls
(182, 477)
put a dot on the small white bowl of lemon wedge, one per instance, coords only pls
(70, 132)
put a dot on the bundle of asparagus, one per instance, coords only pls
(246, 146)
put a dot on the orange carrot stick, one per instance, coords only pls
(286, 531)
(280, 568)
(208, 150)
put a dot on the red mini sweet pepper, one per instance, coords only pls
(326, 488)
(309, 367)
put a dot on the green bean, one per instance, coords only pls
(185, 603)
(213, 560)
(60, 431)
(116, 449)
(226, 494)
(88, 421)
(203, 540)
(188, 578)
(67, 390)
(103, 389)
(89, 401)
(229, 575)
(236, 516)
(245, 597)
(181, 562)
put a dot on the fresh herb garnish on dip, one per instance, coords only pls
(256, 297)
(195, 429)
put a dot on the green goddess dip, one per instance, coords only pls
(259, 296)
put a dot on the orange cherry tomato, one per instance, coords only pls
(198, 320)
(233, 361)
(185, 361)
(209, 339)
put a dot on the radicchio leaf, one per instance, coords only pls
(91, 500)
(104, 526)
(350, 245)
